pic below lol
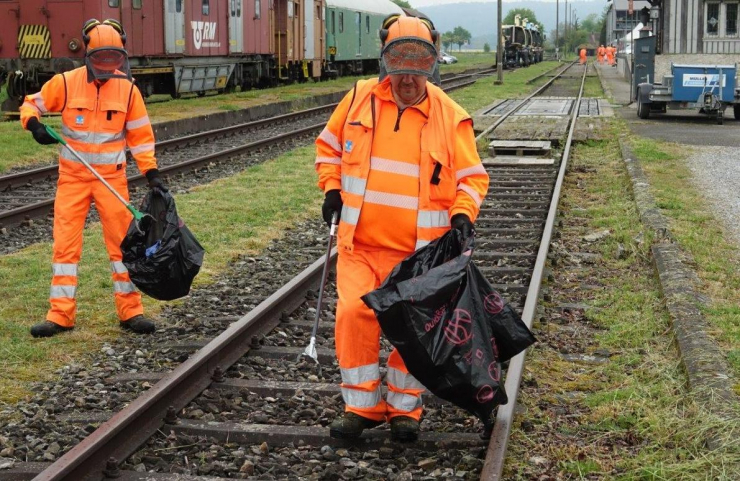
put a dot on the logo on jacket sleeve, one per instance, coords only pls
(348, 146)
(80, 120)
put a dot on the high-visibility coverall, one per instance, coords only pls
(98, 121)
(610, 53)
(402, 175)
(582, 54)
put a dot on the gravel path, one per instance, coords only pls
(717, 173)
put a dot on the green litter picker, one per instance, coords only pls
(138, 216)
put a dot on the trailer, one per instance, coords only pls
(708, 88)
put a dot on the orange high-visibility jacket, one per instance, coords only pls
(449, 182)
(98, 123)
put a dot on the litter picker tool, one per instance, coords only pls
(138, 216)
(311, 348)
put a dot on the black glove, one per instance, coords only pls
(332, 203)
(39, 132)
(462, 223)
(155, 181)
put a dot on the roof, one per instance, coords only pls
(382, 7)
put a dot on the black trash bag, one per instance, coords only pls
(451, 328)
(163, 260)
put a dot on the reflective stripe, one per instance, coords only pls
(433, 218)
(32, 106)
(328, 160)
(58, 292)
(39, 101)
(117, 267)
(140, 149)
(91, 137)
(474, 170)
(123, 287)
(392, 200)
(358, 375)
(361, 399)
(107, 158)
(350, 215)
(402, 380)
(421, 243)
(471, 192)
(403, 402)
(64, 269)
(330, 139)
(135, 124)
(394, 166)
(353, 185)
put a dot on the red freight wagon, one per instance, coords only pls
(175, 46)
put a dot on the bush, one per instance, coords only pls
(486, 47)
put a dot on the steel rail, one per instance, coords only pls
(511, 111)
(494, 462)
(128, 429)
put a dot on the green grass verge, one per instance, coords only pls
(19, 148)
(241, 214)
(484, 91)
(700, 234)
(631, 417)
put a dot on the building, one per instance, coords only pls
(619, 22)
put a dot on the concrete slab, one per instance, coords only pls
(503, 160)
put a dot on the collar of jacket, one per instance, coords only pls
(381, 92)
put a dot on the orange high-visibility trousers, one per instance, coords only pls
(357, 337)
(71, 206)
(582, 54)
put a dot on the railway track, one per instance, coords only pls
(28, 195)
(258, 399)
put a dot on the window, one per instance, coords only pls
(136, 4)
(731, 20)
(178, 6)
(333, 23)
(113, 3)
(238, 8)
(257, 9)
(233, 8)
(712, 18)
(367, 24)
(206, 7)
(318, 12)
(290, 9)
(341, 22)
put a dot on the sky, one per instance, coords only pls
(424, 3)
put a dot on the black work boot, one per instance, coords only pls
(48, 329)
(350, 426)
(139, 324)
(404, 429)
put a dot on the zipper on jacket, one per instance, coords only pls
(398, 119)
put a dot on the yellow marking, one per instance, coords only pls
(332, 50)
(180, 42)
(232, 43)
(151, 70)
(34, 40)
(221, 82)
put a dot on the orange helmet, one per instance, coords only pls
(106, 56)
(408, 47)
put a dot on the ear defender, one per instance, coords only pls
(430, 26)
(387, 22)
(119, 28)
(87, 28)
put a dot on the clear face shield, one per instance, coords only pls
(410, 55)
(107, 63)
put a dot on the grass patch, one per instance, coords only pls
(592, 88)
(279, 193)
(468, 60)
(715, 259)
(484, 91)
(19, 148)
(630, 418)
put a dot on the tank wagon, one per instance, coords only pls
(194, 46)
(523, 43)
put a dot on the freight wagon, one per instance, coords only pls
(194, 46)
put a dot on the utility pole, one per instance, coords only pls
(557, 28)
(500, 49)
(565, 43)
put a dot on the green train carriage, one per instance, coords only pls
(352, 42)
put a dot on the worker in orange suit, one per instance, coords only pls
(610, 55)
(582, 55)
(600, 54)
(398, 161)
(102, 113)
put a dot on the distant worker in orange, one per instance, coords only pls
(582, 54)
(398, 161)
(102, 113)
(601, 53)
(610, 55)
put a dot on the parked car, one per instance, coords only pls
(446, 58)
